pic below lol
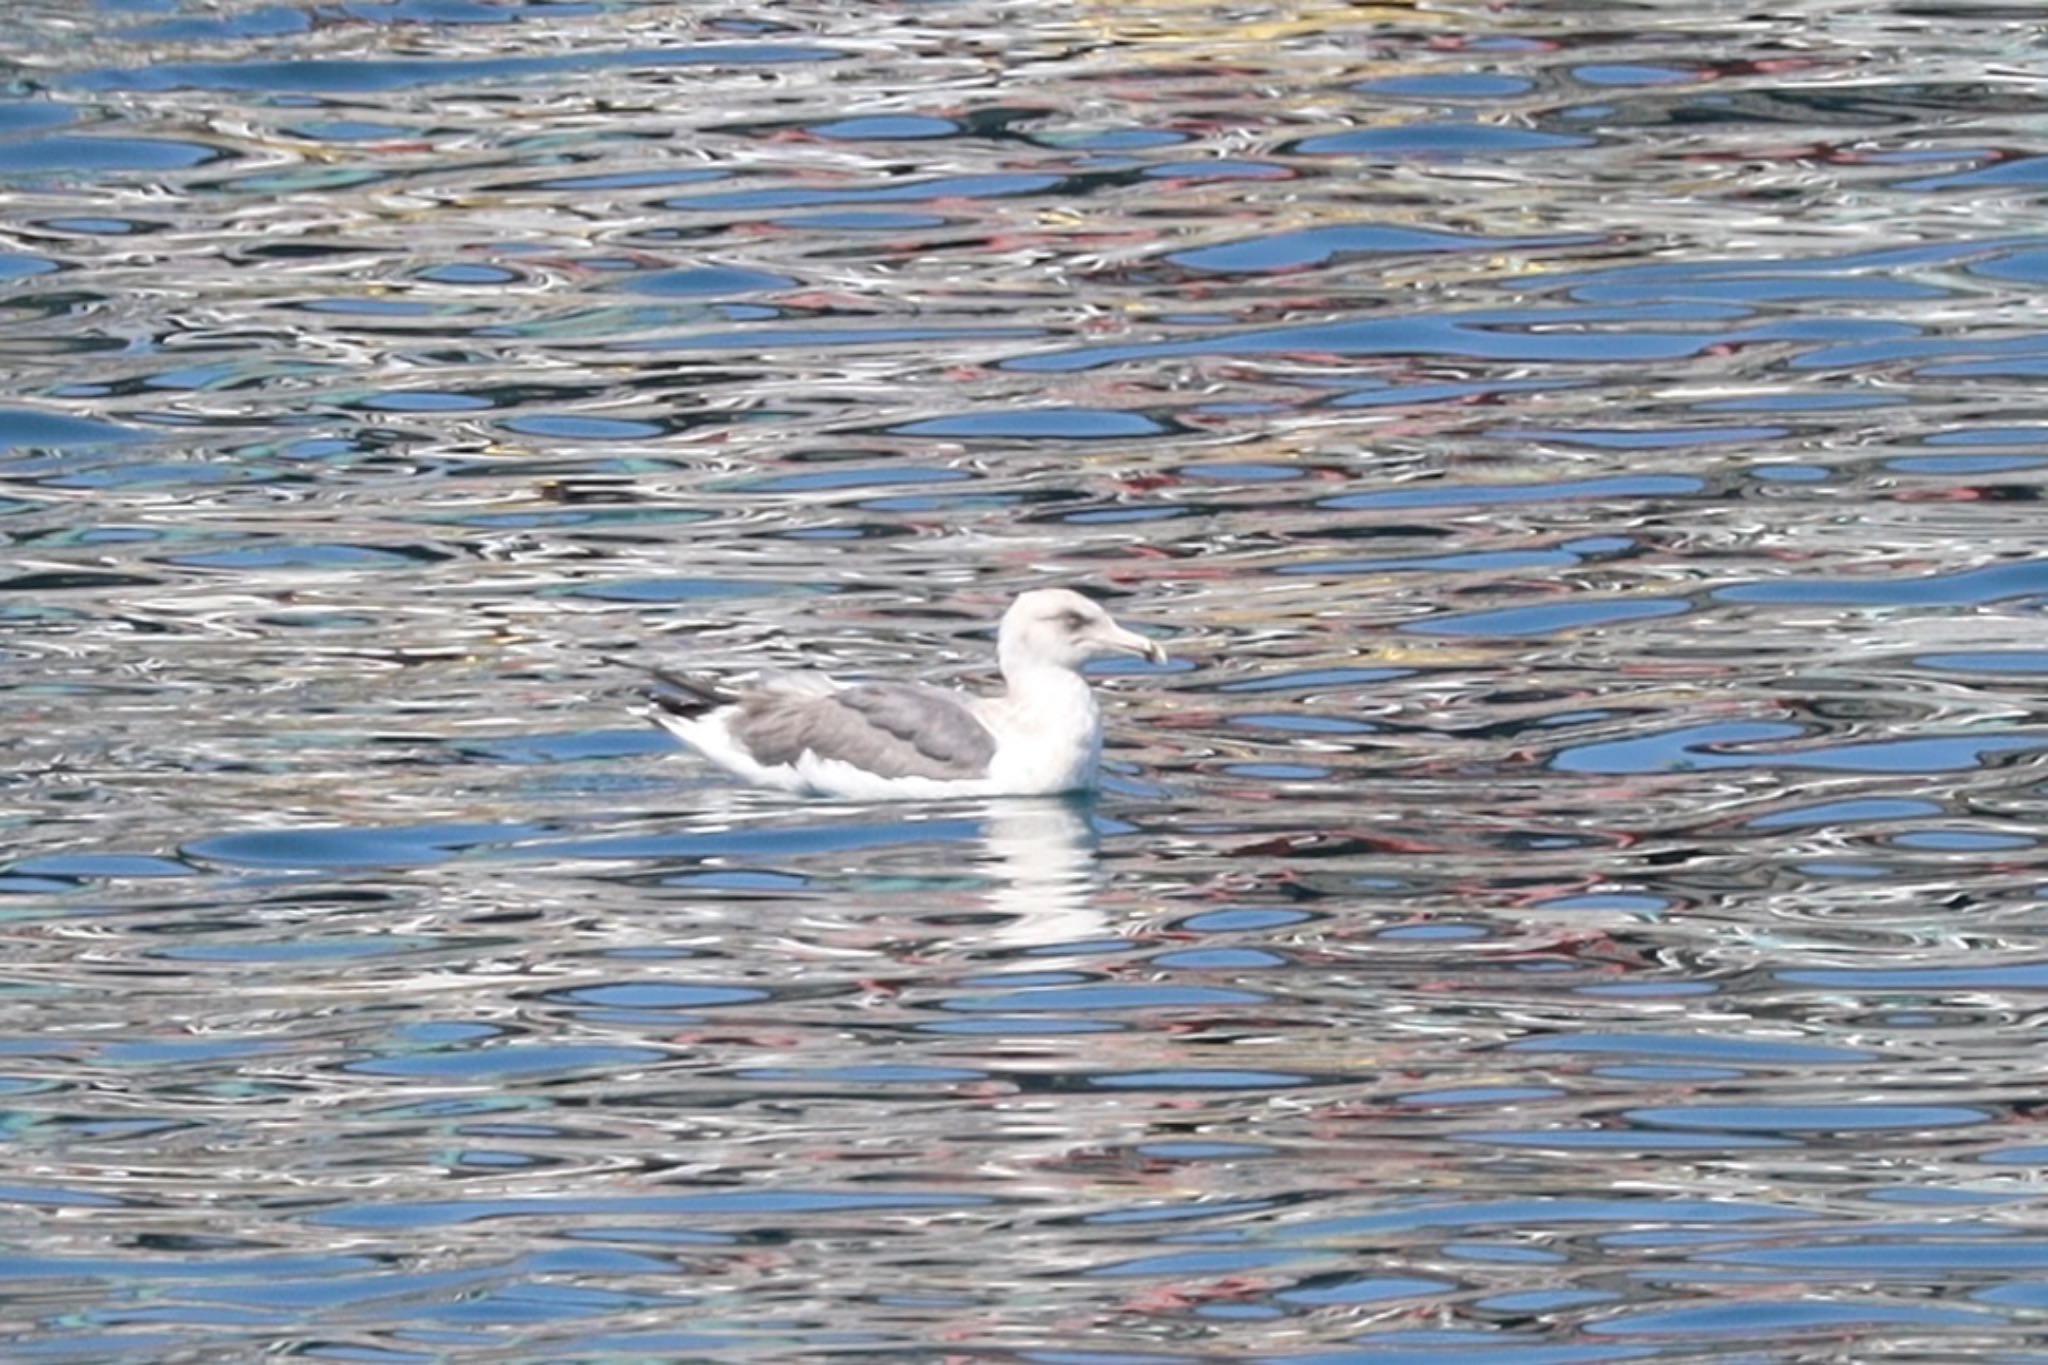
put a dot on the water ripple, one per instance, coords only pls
(1575, 896)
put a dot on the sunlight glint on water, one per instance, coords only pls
(1575, 896)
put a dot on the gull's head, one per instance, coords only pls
(1052, 627)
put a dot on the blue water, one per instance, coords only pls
(1576, 894)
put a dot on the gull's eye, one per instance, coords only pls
(1073, 620)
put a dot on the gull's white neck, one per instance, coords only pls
(1048, 727)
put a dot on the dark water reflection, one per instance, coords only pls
(1577, 895)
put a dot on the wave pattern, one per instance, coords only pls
(1575, 897)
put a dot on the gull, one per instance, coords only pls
(806, 733)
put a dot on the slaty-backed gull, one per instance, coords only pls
(804, 732)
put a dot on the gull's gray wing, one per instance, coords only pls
(889, 729)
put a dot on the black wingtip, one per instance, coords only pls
(679, 694)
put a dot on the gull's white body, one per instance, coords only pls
(1048, 731)
(1045, 728)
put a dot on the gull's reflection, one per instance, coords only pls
(1041, 865)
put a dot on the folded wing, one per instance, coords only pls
(888, 729)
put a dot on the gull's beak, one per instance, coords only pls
(1130, 642)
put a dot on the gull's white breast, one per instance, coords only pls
(1048, 736)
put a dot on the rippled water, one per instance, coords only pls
(1577, 895)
